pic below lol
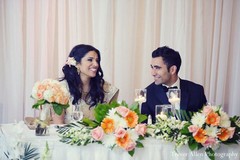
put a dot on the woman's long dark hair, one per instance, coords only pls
(96, 93)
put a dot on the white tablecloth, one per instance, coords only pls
(153, 149)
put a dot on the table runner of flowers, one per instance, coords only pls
(120, 125)
(116, 125)
(207, 129)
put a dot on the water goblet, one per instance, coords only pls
(77, 114)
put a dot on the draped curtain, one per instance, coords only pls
(37, 36)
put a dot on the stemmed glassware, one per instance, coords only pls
(77, 114)
(140, 97)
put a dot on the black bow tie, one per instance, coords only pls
(166, 88)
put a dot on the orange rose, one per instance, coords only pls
(108, 125)
(132, 119)
(224, 134)
(213, 119)
(122, 142)
(200, 136)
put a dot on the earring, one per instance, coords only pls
(78, 71)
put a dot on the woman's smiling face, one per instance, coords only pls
(89, 65)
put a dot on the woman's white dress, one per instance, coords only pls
(110, 94)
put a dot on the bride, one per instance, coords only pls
(83, 76)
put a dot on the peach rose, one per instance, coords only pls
(207, 109)
(130, 146)
(120, 132)
(98, 133)
(123, 111)
(209, 142)
(193, 129)
(141, 129)
(231, 131)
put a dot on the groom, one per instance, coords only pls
(165, 66)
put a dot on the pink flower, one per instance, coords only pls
(209, 142)
(98, 133)
(130, 146)
(207, 109)
(120, 132)
(231, 131)
(123, 111)
(141, 129)
(193, 129)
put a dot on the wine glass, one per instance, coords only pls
(174, 96)
(140, 97)
(77, 114)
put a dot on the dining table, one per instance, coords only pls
(15, 138)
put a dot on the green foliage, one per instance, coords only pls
(70, 134)
(131, 153)
(46, 154)
(134, 107)
(210, 153)
(185, 130)
(139, 144)
(58, 108)
(141, 118)
(184, 115)
(193, 145)
(29, 152)
(39, 103)
(90, 123)
(235, 122)
(180, 114)
(101, 110)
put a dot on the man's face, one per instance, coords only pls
(159, 71)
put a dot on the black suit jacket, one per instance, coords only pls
(192, 97)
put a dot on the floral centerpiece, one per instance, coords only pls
(207, 129)
(53, 92)
(115, 125)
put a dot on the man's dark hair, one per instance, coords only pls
(169, 56)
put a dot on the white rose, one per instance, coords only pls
(35, 90)
(48, 95)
